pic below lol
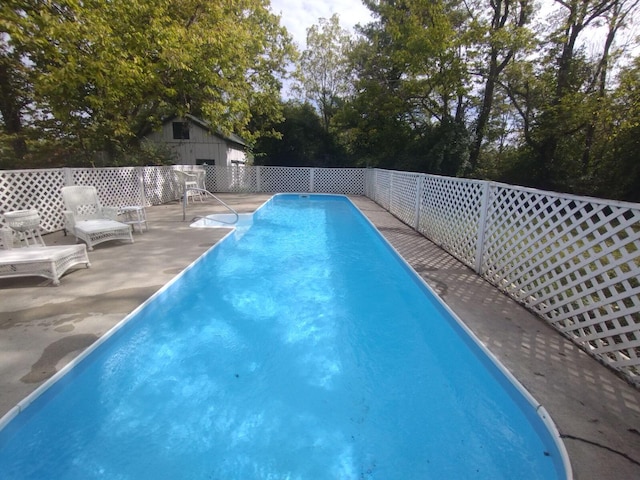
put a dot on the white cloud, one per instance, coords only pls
(298, 16)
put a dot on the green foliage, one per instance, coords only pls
(478, 88)
(323, 75)
(371, 124)
(301, 141)
(105, 73)
(409, 81)
(562, 93)
(616, 174)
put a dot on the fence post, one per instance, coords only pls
(418, 201)
(311, 174)
(482, 226)
(390, 191)
(68, 176)
(366, 182)
(143, 198)
(258, 186)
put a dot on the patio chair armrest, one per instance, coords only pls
(69, 220)
(110, 213)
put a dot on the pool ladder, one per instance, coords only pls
(201, 191)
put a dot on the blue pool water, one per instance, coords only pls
(301, 349)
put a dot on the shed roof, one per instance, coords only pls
(232, 137)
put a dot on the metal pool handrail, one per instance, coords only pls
(206, 192)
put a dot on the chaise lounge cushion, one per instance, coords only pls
(98, 231)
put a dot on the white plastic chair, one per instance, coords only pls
(88, 220)
(188, 180)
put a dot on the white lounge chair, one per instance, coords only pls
(88, 220)
(38, 259)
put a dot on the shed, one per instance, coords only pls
(196, 142)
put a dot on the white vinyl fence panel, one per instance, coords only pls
(451, 212)
(233, 179)
(379, 187)
(404, 201)
(34, 189)
(159, 185)
(574, 261)
(116, 186)
(121, 186)
(347, 181)
(284, 179)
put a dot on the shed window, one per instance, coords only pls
(180, 131)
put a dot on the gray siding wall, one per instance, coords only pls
(201, 145)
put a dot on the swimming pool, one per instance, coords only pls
(302, 349)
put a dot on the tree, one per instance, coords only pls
(300, 141)
(105, 72)
(616, 174)
(324, 75)
(411, 83)
(505, 34)
(13, 85)
(371, 124)
(15, 80)
(615, 20)
(556, 93)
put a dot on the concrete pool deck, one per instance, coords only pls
(43, 327)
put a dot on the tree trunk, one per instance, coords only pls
(10, 107)
(501, 9)
(615, 21)
(483, 116)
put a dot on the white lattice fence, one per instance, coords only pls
(349, 181)
(381, 185)
(234, 179)
(33, 189)
(369, 182)
(450, 214)
(159, 185)
(40, 189)
(116, 187)
(403, 202)
(575, 262)
(284, 179)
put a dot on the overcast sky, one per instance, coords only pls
(298, 15)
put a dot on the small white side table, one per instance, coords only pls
(26, 223)
(135, 215)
